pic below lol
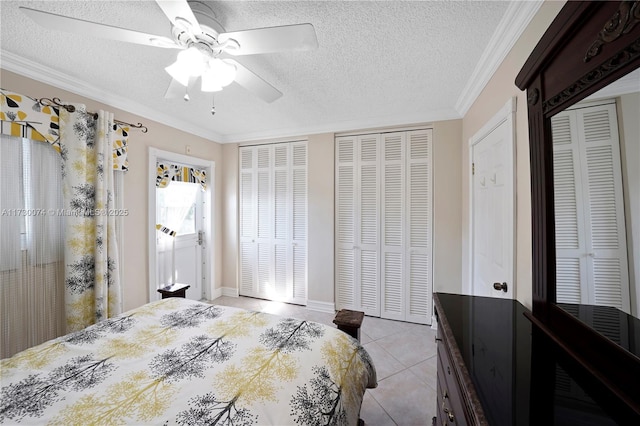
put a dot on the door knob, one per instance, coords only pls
(500, 286)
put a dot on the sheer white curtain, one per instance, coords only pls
(31, 235)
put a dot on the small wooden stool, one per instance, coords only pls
(349, 322)
(174, 290)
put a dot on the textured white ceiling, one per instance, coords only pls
(379, 63)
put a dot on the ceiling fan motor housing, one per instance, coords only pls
(207, 40)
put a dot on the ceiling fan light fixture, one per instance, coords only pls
(190, 63)
(218, 74)
(193, 60)
(209, 84)
(179, 73)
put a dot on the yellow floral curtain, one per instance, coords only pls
(25, 117)
(92, 286)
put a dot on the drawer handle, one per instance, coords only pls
(448, 370)
(449, 414)
(438, 339)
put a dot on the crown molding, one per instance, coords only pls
(345, 126)
(513, 23)
(28, 68)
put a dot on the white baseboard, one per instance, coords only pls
(316, 305)
(217, 292)
(224, 291)
(434, 323)
(230, 291)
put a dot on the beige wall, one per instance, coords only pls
(447, 207)
(320, 243)
(230, 216)
(497, 92)
(135, 291)
(320, 255)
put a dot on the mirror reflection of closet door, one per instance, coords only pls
(591, 248)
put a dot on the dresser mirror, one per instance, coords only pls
(596, 151)
(588, 47)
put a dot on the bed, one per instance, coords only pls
(178, 361)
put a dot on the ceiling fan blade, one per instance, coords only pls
(272, 39)
(252, 82)
(80, 26)
(177, 10)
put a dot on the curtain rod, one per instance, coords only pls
(71, 108)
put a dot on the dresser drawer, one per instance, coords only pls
(450, 410)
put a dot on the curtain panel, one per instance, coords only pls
(25, 117)
(91, 150)
(92, 281)
(32, 308)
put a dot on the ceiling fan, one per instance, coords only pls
(206, 50)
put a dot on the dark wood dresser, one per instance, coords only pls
(496, 368)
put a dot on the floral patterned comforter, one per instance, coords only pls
(177, 361)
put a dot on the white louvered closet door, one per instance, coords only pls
(298, 220)
(392, 226)
(248, 221)
(265, 221)
(406, 226)
(569, 218)
(357, 204)
(383, 225)
(280, 283)
(590, 228)
(345, 211)
(366, 235)
(419, 268)
(273, 226)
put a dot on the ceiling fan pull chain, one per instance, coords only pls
(213, 105)
(186, 93)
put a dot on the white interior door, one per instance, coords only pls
(493, 243)
(179, 208)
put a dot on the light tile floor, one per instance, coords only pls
(404, 355)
